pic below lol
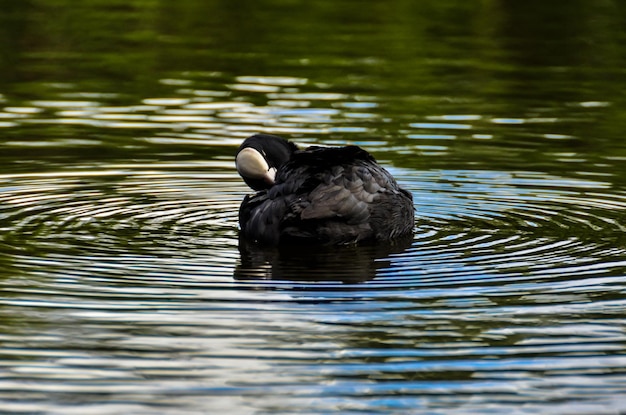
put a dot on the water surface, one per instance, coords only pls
(125, 289)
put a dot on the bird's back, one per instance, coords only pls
(328, 196)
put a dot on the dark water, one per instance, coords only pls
(123, 285)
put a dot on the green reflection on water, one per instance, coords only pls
(542, 63)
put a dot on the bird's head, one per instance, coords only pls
(260, 156)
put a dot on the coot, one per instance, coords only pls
(319, 195)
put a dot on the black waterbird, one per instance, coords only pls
(319, 195)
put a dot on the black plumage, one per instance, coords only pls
(323, 195)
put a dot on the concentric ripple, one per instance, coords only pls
(509, 225)
(127, 289)
(517, 226)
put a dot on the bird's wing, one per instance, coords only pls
(343, 195)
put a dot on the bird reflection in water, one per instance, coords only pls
(349, 264)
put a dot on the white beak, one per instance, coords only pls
(250, 163)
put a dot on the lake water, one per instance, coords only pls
(123, 286)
